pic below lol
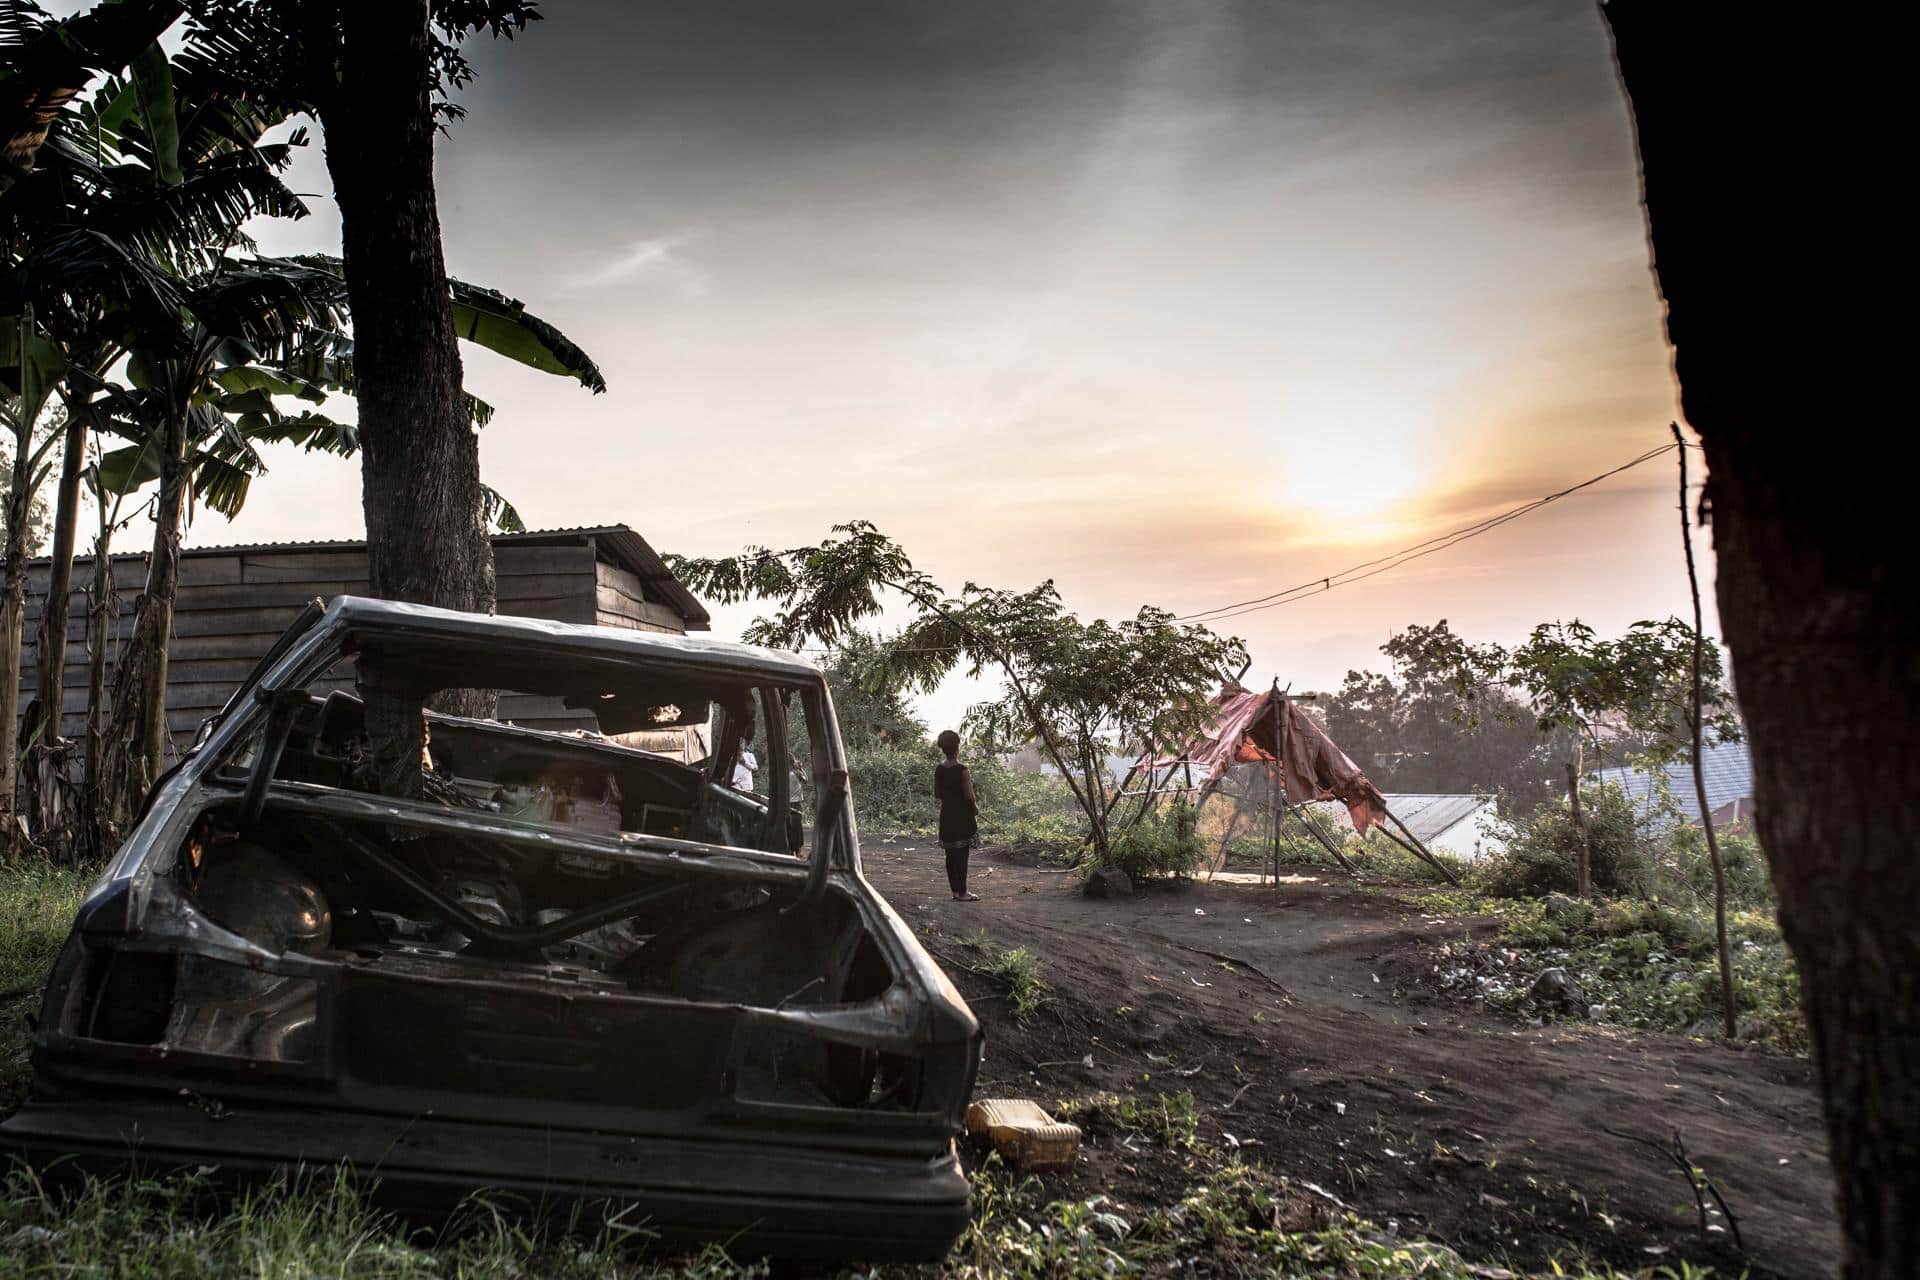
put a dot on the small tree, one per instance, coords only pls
(1102, 687)
(1076, 688)
(1413, 731)
(1639, 685)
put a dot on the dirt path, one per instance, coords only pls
(1278, 1008)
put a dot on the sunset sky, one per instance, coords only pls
(1176, 303)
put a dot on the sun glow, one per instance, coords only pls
(1357, 454)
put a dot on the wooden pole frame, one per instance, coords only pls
(1417, 847)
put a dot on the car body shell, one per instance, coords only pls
(437, 1075)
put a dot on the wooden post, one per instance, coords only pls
(1273, 787)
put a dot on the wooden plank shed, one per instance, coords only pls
(235, 601)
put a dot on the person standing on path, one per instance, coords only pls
(959, 814)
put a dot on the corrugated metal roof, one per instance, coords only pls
(1726, 766)
(1427, 814)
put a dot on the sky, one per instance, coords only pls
(1175, 302)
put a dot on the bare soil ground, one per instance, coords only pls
(1293, 1016)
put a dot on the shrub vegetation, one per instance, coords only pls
(1165, 844)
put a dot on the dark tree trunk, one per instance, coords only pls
(52, 668)
(102, 606)
(420, 460)
(13, 607)
(1761, 138)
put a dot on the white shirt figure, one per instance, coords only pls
(743, 769)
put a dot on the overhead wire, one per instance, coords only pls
(1382, 564)
(1366, 568)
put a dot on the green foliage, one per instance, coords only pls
(1225, 1217)
(38, 518)
(1164, 845)
(1574, 678)
(1018, 970)
(1541, 849)
(893, 789)
(1455, 716)
(37, 905)
(1021, 807)
(869, 703)
(1415, 730)
(893, 792)
(1644, 963)
(1684, 868)
(1075, 687)
(1233, 1219)
(1019, 1235)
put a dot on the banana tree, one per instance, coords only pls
(260, 332)
(148, 178)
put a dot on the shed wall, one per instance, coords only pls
(233, 606)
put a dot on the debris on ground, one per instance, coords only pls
(1024, 1135)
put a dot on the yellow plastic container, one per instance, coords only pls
(1025, 1136)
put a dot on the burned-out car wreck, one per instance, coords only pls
(556, 965)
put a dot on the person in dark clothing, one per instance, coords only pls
(959, 814)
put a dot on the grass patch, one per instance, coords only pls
(1171, 1120)
(313, 1225)
(1234, 1219)
(1016, 969)
(1228, 1219)
(37, 904)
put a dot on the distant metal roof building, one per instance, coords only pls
(1447, 821)
(1727, 767)
(1430, 816)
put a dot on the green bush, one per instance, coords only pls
(1166, 843)
(893, 791)
(1685, 868)
(1017, 807)
(1542, 849)
(1645, 963)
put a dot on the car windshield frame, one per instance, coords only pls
(351, 622)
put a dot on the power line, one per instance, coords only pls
(1370, 568)
(1354, 573)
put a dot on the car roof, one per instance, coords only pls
(366, 614)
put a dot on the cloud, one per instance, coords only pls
(658, 257)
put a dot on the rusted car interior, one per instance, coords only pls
(560, 966)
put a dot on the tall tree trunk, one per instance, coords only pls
(52, 658)
(1583, 847)
(13, 608)
(1764, 139)
(102, 607)
(136, 749)
(420, 459)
